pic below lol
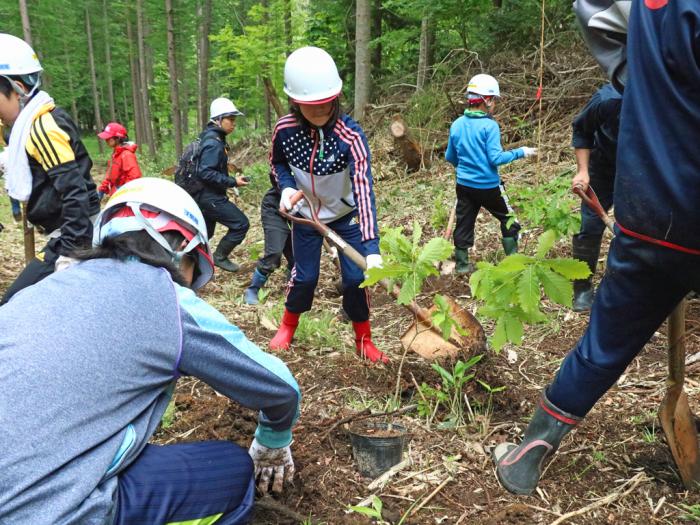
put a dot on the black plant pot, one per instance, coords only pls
(377, 447)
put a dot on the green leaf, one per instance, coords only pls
(447, 378)
(409, 290)
(499, 338)
(514, 328)
(529, 290)
(569, 268)
(545, 242)
(417, 234)
(437, 249)
(389, 271)
(372, 513)
(377, 504)
(514, 262)
(557, 287)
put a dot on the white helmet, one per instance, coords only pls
(223, 107)
(484, 85)
(18, 59)
(156, 206)
(310, 76)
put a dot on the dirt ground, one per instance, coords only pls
(614, 469)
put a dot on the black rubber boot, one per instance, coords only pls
(257, 282)
(221, 256)
(462, 258)
(519, 467)
(586, 250)
(510, 245)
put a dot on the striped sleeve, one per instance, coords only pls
(219, 354)
(361, 177)
(278, 160)
(48, 144)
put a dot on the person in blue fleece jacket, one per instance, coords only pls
(474, 148)
(82, 398)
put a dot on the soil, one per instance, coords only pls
(619, 439)
(377, 430)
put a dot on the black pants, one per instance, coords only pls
(470, 201)
(38, 268)
(217, 208)
(603, 182)
(278, 235)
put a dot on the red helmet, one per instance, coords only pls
(112, 130)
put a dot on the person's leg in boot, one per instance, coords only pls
(227, 214)
(356, 299)
(38, 268)
(585, 248)
(251, 293)
(622, 321)
(205, 482)
(300, 294)
(465, 219)
(496, 202)
(520, 467)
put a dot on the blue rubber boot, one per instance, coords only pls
(257, 282)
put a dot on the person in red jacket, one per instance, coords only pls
(123, 165)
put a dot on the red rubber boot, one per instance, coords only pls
(364, 344)
(285, 333)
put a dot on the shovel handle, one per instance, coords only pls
(591, 200)
(351, 253)
(676, 347)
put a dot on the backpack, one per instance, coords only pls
(186, 173)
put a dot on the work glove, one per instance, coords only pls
(374, 260)
(286, 200)
(272, 464)
(63, 263)
(529, 152)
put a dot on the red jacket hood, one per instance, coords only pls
(127, 146)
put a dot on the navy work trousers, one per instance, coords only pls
(217, 208)
(187, 481)
(643, 283)
(307, 244)
(603, 183)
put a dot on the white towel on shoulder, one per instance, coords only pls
(18, 178)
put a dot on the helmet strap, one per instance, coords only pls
(24, 97)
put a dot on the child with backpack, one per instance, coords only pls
(123, 166)
(474, 148)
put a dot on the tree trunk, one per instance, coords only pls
(71, 89)
(377, 33)
(287, 25)
(184, 96)
(93, 78)
(362, 63)
(423, 52)
(135, 83)
(108, 63)
(406, 146)
(126, 116)
(203, 62)
(172, 68)
(498, 3)
(143, 77)
(26, 26)
(272, 97)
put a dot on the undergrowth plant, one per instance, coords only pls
(407, 262)
(374, 511)
(549, 205)
(512, 289)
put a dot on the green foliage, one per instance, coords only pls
(450, 394)
(442, 318)
(375, 511)
(512, 289)
(692, 512)
(169, 416)
(317, 329)
(407, 261)
(549, 205)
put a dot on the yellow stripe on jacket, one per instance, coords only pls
(48, 144)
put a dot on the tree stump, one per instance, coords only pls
(410, 151)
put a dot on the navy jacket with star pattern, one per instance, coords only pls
(332, 166)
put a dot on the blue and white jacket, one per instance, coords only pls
(474, 148)
(332, 166)
(82, 398)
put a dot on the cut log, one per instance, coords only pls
(406, 146)
(271, 94)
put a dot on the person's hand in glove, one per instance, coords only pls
(289, 200)
(63, 263)
(272, 464)
(374, 260)
(529, 152)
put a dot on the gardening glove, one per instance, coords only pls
(374, 260)
(63, 263)
(529, 152)
(286, 200)
(274, 464)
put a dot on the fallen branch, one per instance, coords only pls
(366, 414)
(618, 494)
(431, 495)
(267, 503)
(381, 481)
